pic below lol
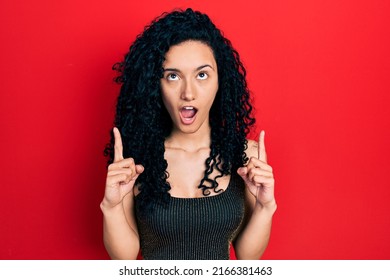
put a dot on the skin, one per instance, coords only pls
(190, 79)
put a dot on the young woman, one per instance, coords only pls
(183, 180)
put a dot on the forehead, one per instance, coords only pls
(189, 54)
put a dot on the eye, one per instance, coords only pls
(202, 76)
(172, 77)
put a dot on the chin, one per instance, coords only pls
(189, 129)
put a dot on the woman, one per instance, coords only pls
(184, 182)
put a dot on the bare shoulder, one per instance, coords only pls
(253, 148)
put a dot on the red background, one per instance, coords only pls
(319, 74)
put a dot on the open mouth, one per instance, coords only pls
(188, 114)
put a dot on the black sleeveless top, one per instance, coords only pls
(193, 228)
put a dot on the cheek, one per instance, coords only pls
(164, 94)
(212, 93)
(168, 102)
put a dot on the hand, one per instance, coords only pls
(121, 174)
(258, 176)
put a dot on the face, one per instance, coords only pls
(189, 85)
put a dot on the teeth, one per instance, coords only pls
(188, 107)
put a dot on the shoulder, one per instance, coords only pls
(252, 149)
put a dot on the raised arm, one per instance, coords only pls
(259, 181)
(120, 231)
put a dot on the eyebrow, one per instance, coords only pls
(197, 69)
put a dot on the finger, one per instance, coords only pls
(242, 171)
(124, 163)
(262, 153)
(259, 172)
(113, 173)
(263, 181)
(125, 170)
(118, 147)
(118, 179)
(139, 168)
(257, 163)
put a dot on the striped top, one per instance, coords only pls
(193, 228)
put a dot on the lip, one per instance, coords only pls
(188, 121)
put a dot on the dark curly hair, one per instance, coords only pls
(144, 122)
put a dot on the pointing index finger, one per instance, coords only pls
(262, 153)
(118, 147)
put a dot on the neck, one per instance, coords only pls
(189, 141)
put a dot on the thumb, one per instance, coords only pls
(242, 171)
(139, 169)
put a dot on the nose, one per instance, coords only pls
(188, 92)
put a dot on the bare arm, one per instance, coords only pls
(120, 233)
(259, 181)
(254, 238)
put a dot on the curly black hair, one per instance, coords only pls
(144, 122)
